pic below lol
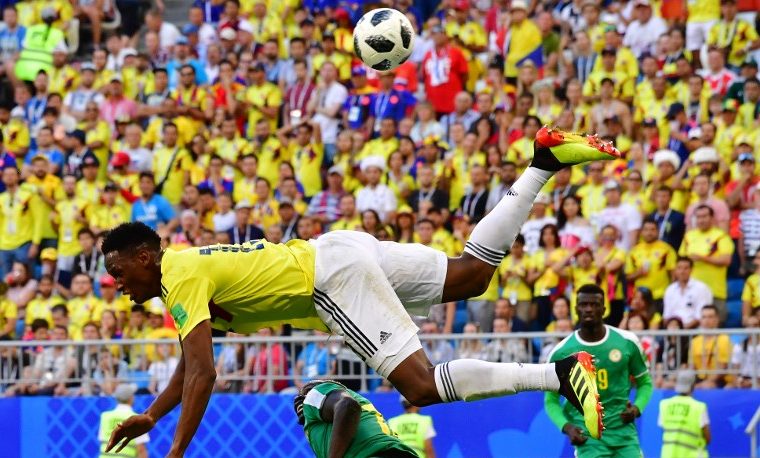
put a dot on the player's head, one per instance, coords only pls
(131, 253)
(590, 305)
(301, 397)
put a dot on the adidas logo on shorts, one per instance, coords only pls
(511, 192)
(384, 336)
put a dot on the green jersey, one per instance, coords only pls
(373, 436)
(619, 360)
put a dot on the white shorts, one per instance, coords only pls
(360, 285)
(696, 34)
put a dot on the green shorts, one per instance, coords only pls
(596, 449)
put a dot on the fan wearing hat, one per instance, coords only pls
(667, 163)
(62, 76)
(726, 136)
(734, 35)
(468, 33)
(525, 39)
(262, 99)
(375, 195)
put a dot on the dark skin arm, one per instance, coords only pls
(343, 412)
(194, 371)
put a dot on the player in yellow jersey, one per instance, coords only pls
(353, 285)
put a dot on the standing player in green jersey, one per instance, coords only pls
(619, 357)
(339, 422)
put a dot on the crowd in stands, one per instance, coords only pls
(254, 119)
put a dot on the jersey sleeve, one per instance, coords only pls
(187, 300)
(637, 365)
(747, 291)
(315, 399)
(725, 245)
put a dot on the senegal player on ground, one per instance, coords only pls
(339, 422)
(619, 358)
(352, 285)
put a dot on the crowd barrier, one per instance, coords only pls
(251, 425)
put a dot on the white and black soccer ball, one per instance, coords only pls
(383, 39)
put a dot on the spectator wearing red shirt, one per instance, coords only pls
(445, 71)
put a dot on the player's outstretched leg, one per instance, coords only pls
(491, 239)
(470, 379)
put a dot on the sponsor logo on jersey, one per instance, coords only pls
(615, 355)
(384, 336)
(179, 315)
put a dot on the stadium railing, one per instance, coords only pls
(267, 364)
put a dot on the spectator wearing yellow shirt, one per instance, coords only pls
(118, 304)
(22, 214)
(667, 163)
(103, 76)
(8, 313)
(425, 232)
(651, 262)
(623, 84)
(14, 133)
(304, 145)
(513, 272)
(728, 129)
(710, 352)
(711, 249)
(330, 53)
(657, 103)
(269, 152)
(171, 165)
(525, 41)
(41, 306)
(244, 188)
(702, 15)
(579, 269)
(545, 281)
(610, 260)
(349, 219)
(98, 136)
(83, 304)
(192, 100)
(110, 213)
(592, 193)
(384, 144)
(89, 187)
(49, 189)
(70, 217)
(265, 25)
(168, 114)
(63, 77)
(262, 99)
(734, 36)
(748, 110)
(264, 212)
(626, 62)
(751, 292)
(521, 150)
(229, 146)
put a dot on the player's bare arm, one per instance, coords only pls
(343, 412)
(198, 383)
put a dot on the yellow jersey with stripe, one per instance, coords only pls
(241, 287)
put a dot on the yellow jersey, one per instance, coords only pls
(712, 242)
(241, 288)
(307, 162)
(40, 308)
(751, 291)
(104, 217)
(515, 289)
(63, 80)
(8, 311)
(658, 259)
(735, 36)
(89, 191)
(49, 186)
(172, 173)
(592, 199)
(623, 84)
(378, 147)
(154, 132)
(244, 189)
(547, 283)
(69, 226)
(21, 217)
(270, 154)
(266, 95)
(16, 135)
(230, 150)
(341, 61)
(626, 63)
(703, 10)
(81, 311)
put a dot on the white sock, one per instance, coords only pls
(473, 379)
(493, 236)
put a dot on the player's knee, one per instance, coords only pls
(422, 394)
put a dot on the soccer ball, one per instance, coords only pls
(383, 39)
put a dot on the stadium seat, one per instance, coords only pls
(734, 319)
(735, 287)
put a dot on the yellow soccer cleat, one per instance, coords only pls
(577, 383)
(554, 149)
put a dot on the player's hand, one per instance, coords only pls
(575, 434)
(630, 413)
(133, 427)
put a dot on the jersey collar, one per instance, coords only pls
(593, 344)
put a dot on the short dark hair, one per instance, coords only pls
(686, 260)
(85, 231)
(129, 236)
(425, 221)
(649, 220)
(705, 207)
(591, 288)
(709, 307)
(60, 308)
(138, 308)
(147, 175)
(519, 239)
(39, 323)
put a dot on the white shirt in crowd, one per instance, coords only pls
(332, 97)
(625, 218)
(162, 371)
(686, 303)
(531, 230)
(140, 159)
(641, 37)
(168, 35)
(224, 222)
(380, 198)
